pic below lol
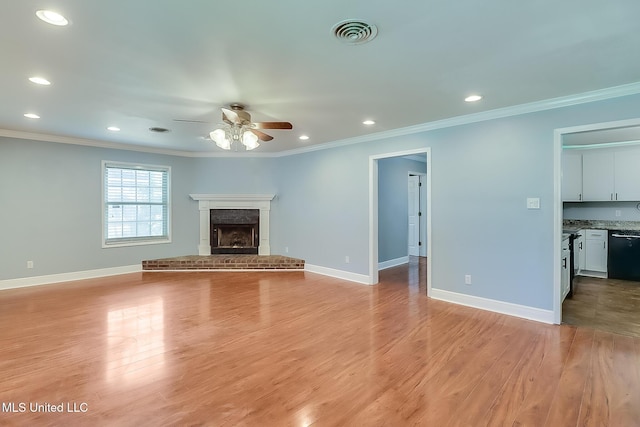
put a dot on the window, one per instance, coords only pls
(136, 204)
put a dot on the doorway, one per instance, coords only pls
(374, 213)
(597, 301)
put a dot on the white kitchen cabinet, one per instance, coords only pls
(571, 176)
(596, 251)
(579, 252)
(566, 277)
(627, 175)
(598, 176)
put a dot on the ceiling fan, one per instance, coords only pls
(238, 127)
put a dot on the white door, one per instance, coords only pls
(414, 218)
(423, 216)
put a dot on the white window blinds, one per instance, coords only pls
(136, 204)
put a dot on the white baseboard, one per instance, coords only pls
(523, 311)
(393, 262)
(24, 282)
(339, 274)
(589, 273)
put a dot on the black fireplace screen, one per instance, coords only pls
(234, 231)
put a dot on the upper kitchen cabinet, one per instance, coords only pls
(571, 176)
(598, 176)
(601, 175)
(627, 175)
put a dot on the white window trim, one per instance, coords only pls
(140, 240)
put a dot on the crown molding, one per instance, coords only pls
(532, 107)
(90, 142)
(499, 113)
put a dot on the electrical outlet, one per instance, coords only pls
(467, 279)
(29, 264)
(346, 259)
(286, 249)
(618, 212)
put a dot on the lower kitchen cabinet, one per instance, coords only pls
(595, 257)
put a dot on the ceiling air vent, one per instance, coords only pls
(159, 130)
(354, 31)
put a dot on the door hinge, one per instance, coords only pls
(419, 213)
(419, 184)
(419, 243)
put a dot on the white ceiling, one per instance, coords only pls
(137, 64)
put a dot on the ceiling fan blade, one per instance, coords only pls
(190, 121)
(273, 125)
(230, 116)
(261, 135)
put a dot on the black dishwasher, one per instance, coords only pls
(624, 255)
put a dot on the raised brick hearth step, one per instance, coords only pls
(224, 262)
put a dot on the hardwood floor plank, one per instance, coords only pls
(567, 400)
(537, 383)
(625, 381)
(605, 304)
(598, 391)
(296, 348)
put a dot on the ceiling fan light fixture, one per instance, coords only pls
(250, 140)
(219, 136)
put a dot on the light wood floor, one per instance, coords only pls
(605, 304)
(299, 349)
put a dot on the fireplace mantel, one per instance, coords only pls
(206, 202)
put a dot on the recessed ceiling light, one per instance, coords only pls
(113, 129)
(51, 17)
(473, 98)
(31, 116)
(39, 81)
(303, 137)
(368, 122)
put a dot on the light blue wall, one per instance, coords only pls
(233, 175)
(482, 174)
(393, 206)
(51, 209)
(321, 213)
(51, 204)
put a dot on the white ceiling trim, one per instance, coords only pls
(565, 101)
(87, 142)
(548, 104)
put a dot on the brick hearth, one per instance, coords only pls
(224, 262)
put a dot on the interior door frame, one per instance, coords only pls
(558, 135)
(373, 212)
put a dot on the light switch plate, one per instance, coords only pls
(533, 203)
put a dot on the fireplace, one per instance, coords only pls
(234, 231)
(231, 202)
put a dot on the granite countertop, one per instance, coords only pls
(573, 225)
